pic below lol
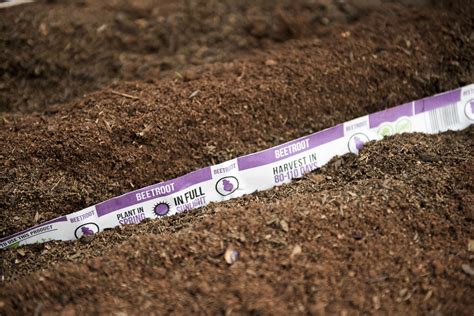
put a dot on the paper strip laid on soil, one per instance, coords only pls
(11, 3)
(453, 110)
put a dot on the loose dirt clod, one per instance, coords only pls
(231, 255)
(470, 245)
(468, 269)
(296, 251)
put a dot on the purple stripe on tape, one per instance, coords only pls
(154, 191)
(437, 101)
(54, 220)
(289, 149)
(390, 115)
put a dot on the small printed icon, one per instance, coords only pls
(356, 142)
(469, 110)
(161, 209)
(227, 185)
(87, 229)
(403, 126)
(385, 130)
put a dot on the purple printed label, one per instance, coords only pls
(161, 209)
(32, 229)
(436, 101)
(87, 229)
(217, 170)
(226, 186)
(390, 115)
(224, 181)
(356, 142)
(291, 148)
(79, 218)
(154, 191)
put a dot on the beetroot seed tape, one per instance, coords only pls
(11, 3)
(453, 110)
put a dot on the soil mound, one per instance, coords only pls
(53, 51)
(387, 231)
(136, 134)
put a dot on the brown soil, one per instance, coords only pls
(106, 144)
(384, 232)
(367, 233)
(52, 51)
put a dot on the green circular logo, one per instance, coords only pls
(385, 130)
(403, 126)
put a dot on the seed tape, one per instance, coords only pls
(453, 110)
(11, 3)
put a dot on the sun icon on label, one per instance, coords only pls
(161, 209)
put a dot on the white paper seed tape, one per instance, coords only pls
(11, 3)
(453, 110)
